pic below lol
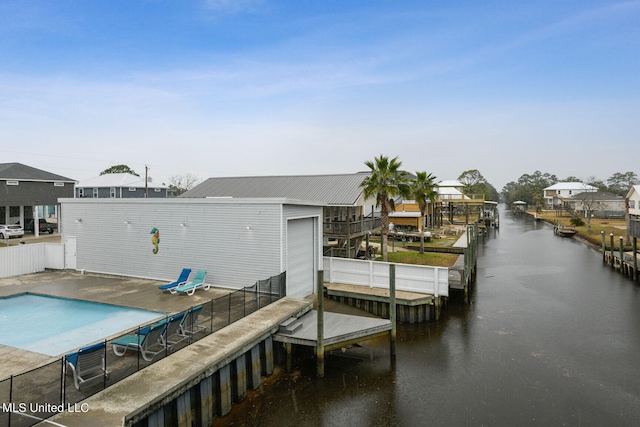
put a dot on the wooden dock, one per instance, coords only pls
(340, 330)
(412, 307)
(626, 262)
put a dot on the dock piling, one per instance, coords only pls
(392, 308)
(320, 344)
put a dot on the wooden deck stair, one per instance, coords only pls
(289, 326)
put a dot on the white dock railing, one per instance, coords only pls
(32, 258)
(411, 278)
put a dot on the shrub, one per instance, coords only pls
(577, 221)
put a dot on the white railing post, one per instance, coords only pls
(371, 274)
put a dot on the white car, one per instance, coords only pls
(9, 231)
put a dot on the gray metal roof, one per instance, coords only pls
(20, 172)
(327, 189)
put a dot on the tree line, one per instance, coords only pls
(529, 187)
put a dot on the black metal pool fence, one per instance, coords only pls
(32, 396)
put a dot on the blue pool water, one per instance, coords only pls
(54, 326)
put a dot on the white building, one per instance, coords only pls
(555, 195)
(633, 214)
(237, 241)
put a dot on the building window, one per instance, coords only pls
(12, 182)
(558, 192)
(58, 184)
(157, 190)
(632, 204)
(80, 192)
(95, 193)
(132, 189)
(570, 191)
(112, 192)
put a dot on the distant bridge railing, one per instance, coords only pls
(411, 278)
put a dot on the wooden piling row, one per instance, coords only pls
(618, 261)
(404, 313)
(215, 395)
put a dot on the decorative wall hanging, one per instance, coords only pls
(155, 239)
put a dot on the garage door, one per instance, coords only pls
(300, 265)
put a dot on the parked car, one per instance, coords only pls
(44, 226)
(9, 231)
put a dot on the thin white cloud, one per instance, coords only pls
(232, 7)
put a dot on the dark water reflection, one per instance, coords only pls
(551, 337)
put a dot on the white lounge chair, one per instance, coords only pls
(189, 325)
(87, 364)
(149, 345)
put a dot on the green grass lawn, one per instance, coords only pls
(431, 259)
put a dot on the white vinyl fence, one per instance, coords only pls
(33, 258)
(411, 278)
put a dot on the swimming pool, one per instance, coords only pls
(54, 326)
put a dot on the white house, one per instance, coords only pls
(237, 241)
(633, 214)
(633, 197)
(555, 195)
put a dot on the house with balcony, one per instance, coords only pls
(633, 211)
(557, 195)
(348, 218)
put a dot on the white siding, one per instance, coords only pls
(292, 212)
(635, 196)
(237, 242)
(300, 258)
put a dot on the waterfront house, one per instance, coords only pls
(633, 212)
(555, 196)
(600, 204)
(28, 192)
(119, 186)
(347, 216)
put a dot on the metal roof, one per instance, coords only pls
(571, 186)
(341, 189)
(20, 172)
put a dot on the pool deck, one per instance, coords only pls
(142, 391)
(124, 291)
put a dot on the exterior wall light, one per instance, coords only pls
(127, 222)
(183, 224)
(78, 219)
(249, 227)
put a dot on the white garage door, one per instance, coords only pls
(300, 265)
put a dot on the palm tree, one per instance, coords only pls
(424, 192)
(386, 182)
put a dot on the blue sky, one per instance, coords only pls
(248, 87)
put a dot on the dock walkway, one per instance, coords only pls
(339, 330)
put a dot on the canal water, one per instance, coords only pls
(550, 337)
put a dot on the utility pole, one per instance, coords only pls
(146, 181)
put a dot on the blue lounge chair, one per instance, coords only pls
(87, 364)
(189, 325)
(149, 345)
(184, 276)
(196, 283)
